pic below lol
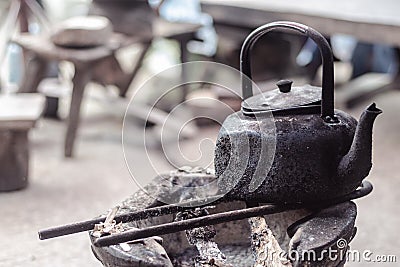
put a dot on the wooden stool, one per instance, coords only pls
(90, 64)
(18, 114)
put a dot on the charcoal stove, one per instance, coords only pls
(285, 206)
(234, 240)
(235, 243)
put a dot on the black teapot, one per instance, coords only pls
(318, 152)
(286, 146)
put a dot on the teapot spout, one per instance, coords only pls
(357, 163)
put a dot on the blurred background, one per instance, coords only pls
(70, 68)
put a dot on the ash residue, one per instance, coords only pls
(203, 239)
(206, 233)
(236, 255)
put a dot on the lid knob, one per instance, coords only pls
(284, 85)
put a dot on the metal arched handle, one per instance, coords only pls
(327, 105)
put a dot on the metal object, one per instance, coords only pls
(322, 157)
(168, 228)
(148, 251)
(232, 237)
(169, 209)
(306, 235)
(321, 153)
(327, 108)
(127, 217)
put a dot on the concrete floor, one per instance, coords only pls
(68, 190)
(379, 216)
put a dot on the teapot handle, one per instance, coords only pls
(327, 105)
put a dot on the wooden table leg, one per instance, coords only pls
(35, 71)
(183, 40)
(124, 85)
(80, 80)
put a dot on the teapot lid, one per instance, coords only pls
(284, 98)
